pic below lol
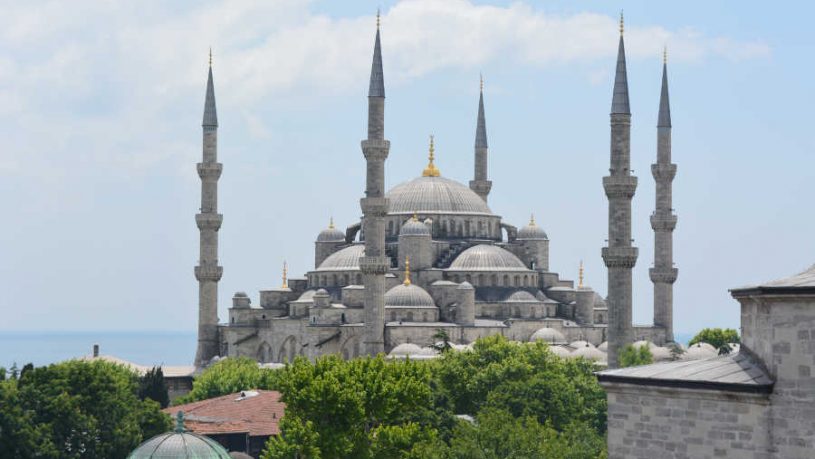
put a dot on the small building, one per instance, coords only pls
(179, 444)
(241, 422)
(757, 403)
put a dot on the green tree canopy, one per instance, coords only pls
(153, 386)
(632, 356)
(717, 337)
(228, 376)
(76, 409)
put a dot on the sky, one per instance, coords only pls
(100, 114)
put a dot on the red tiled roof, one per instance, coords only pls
(257, 415)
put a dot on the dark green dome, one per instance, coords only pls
(179, 444)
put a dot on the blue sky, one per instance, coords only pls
(100, 113)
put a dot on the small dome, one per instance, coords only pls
(532, 231)
(346, 259)
(642, 342)
(179, 444)
(603, 346)
(405, 349)
(414, 227)
(580, 344)
(522, 296)
(485, 257)
(700, 351)
(560, 351)
(437, 195)
(308, 296)
(408, 296)
(331, 234)
(465, 286)
(661, 354)
(241, 295)
(590, 353)
(550, 335)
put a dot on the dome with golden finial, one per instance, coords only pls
(532, 231)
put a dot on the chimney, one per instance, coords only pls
(96, 350)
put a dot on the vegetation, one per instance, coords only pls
(152, 386)
(75, 409)
(524, 402)
(720, 338)
(631, 356)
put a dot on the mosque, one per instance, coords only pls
(431, 256)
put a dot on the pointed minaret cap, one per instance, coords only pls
(481, 124)
(210, 113)
(664, 103)
(377, 87)
(619, 102)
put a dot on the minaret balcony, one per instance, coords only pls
(663, 275)
(620, 186)
(663, 172)
(210, 170)
(374, 207)
(376, 149)
(620, 257)
(209, 221)
(208, 272)
(374, 265)
(663, 222)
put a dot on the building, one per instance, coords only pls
(240, 422)
(179, 444)
(757, 403)
(429, 254)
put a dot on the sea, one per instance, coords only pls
(146, 348)
(141, 347)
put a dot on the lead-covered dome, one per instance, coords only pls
(346, 259)
(179, 444)
(413, 227)
(408, 296)
(522, 296)
(485, 257)
(437, 195)
(532, 231)
(331, 234)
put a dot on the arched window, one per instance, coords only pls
(468, 278)
(334, 279)
(480, 279)
(359, 279)
(467, 228)
(345, 279)
(323, 280)
(393, 316)
(526, 281)
(506, 280)
(493, 280)
(342, 318)
(517, 281)
(424, 317)
(410, 317)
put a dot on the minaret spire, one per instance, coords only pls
(375, 264)
(620, 256)
(208, 272)
(663, 220)
(480, 184)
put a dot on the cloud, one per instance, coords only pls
(95, 75)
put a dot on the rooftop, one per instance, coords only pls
(802, 283)
(256, 412)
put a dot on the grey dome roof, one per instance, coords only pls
(485, 257)
(437, 195)
(331, 234)
(414, 228)
(179, 444)
(549, 335)
(408, 296)
(522, 296)
(532, 231)
(346, 259)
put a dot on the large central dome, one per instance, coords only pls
(427, 195)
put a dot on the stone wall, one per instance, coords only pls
(647, 422)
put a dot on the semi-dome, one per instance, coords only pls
(346, 259)
(413, 227)
(550, 335)
(532, 231)
(331, 234)
(437, 195)
(522, 296)
(406, 296)
(179, 444)
(485, 257)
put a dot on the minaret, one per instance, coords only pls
(620, 256)
(663, 220)
(374, 205)
(209, 221)
(480, 185)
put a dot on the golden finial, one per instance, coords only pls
(331, 223)
(665, 55)
(407, 271)
(481, 76)
(580, 276)
(622, 23)
(285, 275)
(415, 216)
(210, 56)
(532, 220)
(377, 19)
(431, 170)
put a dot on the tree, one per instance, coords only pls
(720, 338)
(153, 386)
(631, 356)
(79, 409)
(442, 338)
(228, 376)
